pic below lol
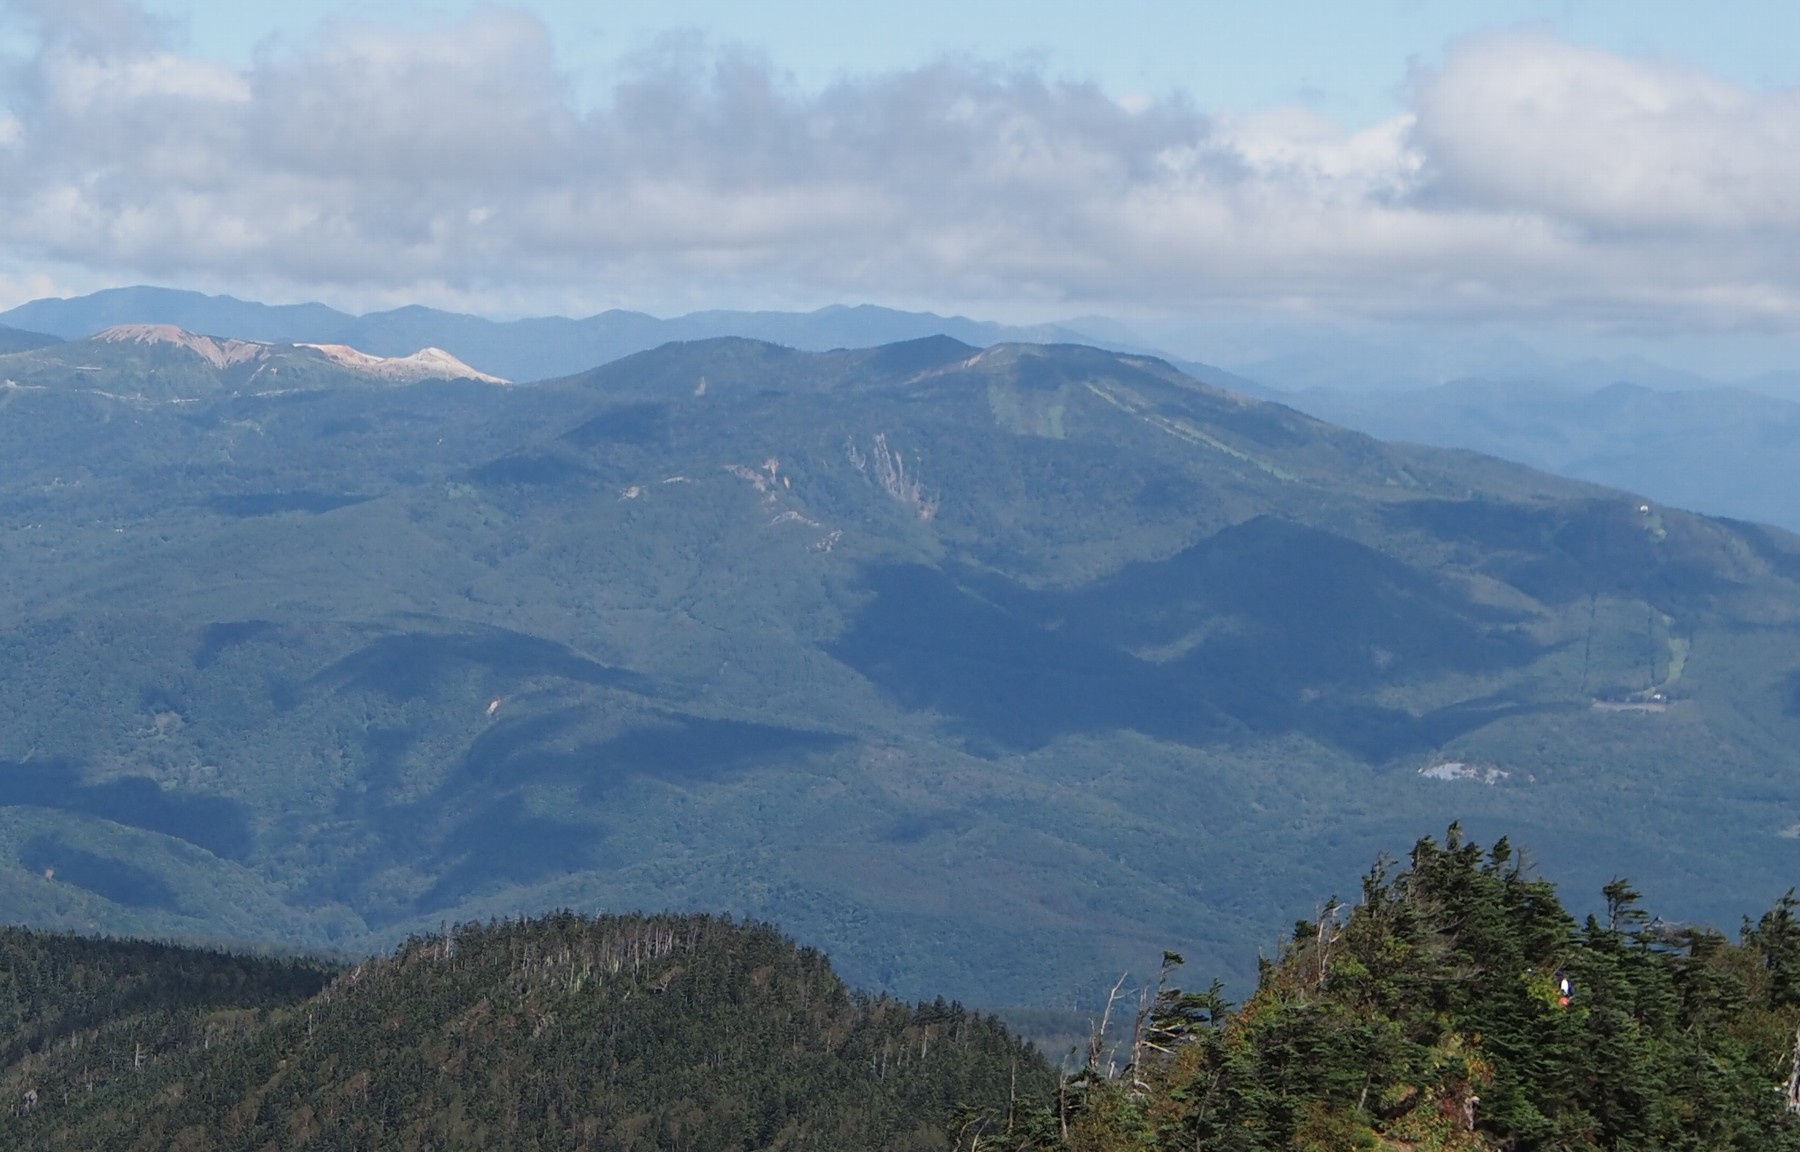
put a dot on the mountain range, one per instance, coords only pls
(991, 671)
(1722, 450)
(19, 340)
(160, 361)
(527, 349)
(1683, 439)
(1297, 357)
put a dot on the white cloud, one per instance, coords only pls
(1611, 146)
(1528, 179)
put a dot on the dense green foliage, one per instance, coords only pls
(989, 672)
(1434, 1015)
(1455, 1006)
(564, 1032)
(78, 1015)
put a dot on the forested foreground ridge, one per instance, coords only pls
(1454, 1006)
(633, 1032)
(1458, 1006)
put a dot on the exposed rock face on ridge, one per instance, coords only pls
(425, 364)
(218, 353)
(222, 353)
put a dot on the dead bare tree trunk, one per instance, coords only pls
(1097, 1034)
(1327, 936)
(1793, 1084)
(1140, 1040)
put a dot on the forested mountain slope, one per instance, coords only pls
(1458, 1007)
(565, 1032)
(20, 340)
(1453, 1005)
(993, 672)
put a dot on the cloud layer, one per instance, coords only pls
(1529, 179)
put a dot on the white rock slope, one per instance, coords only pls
(218, 353)
(425, 364)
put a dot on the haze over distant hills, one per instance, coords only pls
(1722, 450)
(1672, 435)
(1294, 358)
(531, 349)
(18, 340)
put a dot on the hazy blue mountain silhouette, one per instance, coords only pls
(19, 340)
(528, 349)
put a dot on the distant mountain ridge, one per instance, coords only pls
(1725, 451)
(164, 362)
(19, 340)
(538, 348)
(1298, 360)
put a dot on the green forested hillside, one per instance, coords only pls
(992, 672)
(20, 340)
(83, 1015)
(565, 1032)
(1455, 1006)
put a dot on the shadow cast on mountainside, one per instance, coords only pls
(216, 823)
(480, 826)
(683, 750)
(535, 469)
(407, 666)
(223, 636)
(637, 424)
(1561, 553)
(115, 880)
(1269, 627)
(505, 843)
(247, 504)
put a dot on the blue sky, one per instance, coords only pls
(1349, 59)
(1594, 177)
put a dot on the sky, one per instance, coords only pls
(1594, 177)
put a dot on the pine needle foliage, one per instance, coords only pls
(566, 1032)
(1458, 1007)
(1455, 1006)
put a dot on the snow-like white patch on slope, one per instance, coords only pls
(425, 364)
(218, 353)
